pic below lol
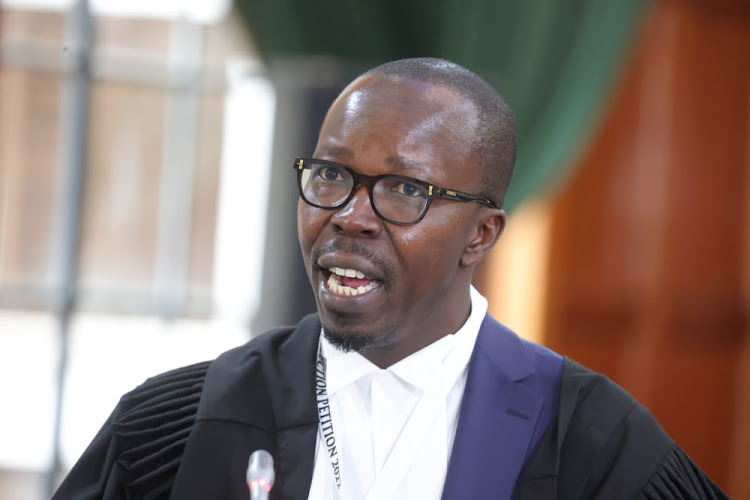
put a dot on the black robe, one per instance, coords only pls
(187, 434)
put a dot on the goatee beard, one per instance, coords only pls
(349, 343)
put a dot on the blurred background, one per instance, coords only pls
(147, 200)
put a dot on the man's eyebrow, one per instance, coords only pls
(402, 163)
(398, 162)
(333, 150)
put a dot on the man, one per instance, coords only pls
(401, 386)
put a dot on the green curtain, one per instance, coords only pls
(553, 60)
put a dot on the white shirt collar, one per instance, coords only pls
(433, 368)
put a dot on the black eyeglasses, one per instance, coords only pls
(395, 198)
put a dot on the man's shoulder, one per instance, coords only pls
(152, 424)
(175, 384)
(596, 412)
(241, 362)
(605, 444)
(276, 368)
(586, 392)
(280, 341)
(600, 416)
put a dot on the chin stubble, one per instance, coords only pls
(347, 342)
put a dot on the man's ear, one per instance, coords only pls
(489, 228)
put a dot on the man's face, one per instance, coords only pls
(415, 285)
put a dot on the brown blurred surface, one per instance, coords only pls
(650, 242)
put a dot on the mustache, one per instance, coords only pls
(355, 247)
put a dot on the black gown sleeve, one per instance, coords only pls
(677, 477)
(138, 449)
(604, 445)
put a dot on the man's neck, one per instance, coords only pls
(384, 356)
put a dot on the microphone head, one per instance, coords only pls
(260, 472)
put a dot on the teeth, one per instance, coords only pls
(349, 273)
(334, 285)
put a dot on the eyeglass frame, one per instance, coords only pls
(433, 190)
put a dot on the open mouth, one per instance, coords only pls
(351, 282)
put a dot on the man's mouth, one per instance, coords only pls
(349, 281)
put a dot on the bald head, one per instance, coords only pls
(494, 141)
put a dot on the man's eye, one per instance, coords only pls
(330, 174)
(408, 189)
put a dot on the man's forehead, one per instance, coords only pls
(411, 92)
(423, 113)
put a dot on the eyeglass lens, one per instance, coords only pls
(394, 198)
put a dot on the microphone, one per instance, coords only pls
(260, 475)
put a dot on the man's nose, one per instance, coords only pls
(358, 218)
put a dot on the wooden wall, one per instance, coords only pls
(649, 271)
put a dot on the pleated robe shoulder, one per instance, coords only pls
(532, 425)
